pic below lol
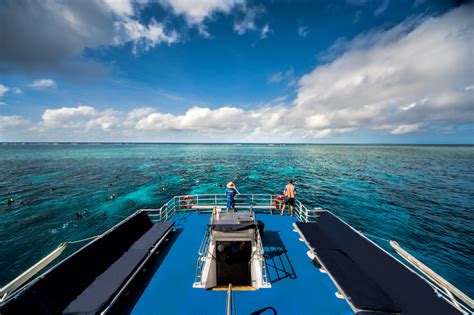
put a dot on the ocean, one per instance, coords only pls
(420, 196)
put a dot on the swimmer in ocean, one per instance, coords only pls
(80, 215)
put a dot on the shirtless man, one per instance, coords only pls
(290, 197)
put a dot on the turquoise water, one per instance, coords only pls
(421, 196)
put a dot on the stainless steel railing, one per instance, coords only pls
(260, 203)
(261, 257)
(202, 255)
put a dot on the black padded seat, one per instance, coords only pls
(152, 236)
(56, 288)
(371, 279)
(101, 291)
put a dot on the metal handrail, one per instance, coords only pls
(206, 202)
(454, 294)
(202, 256)
(260, 255)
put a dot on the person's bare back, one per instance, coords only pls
(290, 197)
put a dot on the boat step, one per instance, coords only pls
(234, 288)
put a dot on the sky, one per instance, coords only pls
(354, 71)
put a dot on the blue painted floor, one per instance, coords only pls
(297, 288)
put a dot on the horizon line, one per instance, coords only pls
(241, 143)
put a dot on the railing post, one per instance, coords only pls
(229, 300)
(271, 208)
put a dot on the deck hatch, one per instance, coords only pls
(231, 253)
(233, 263)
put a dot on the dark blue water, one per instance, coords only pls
(421, 196)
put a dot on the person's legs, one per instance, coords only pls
(292, 205)
(283, 207)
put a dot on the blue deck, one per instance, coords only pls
(297, 286)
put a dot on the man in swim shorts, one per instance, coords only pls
(289, 193)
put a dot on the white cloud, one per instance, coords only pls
(197, 11)
(43, 84)
(143, 37)
(287, 76)
(247, 21)
(382, 7)
(67, 117)
(264, 32)
(3, 103)
(400, 79)
(196, 118)
(129, 29)
(106, 121)
(317, 121)
(139, 112)
(136, 114)
(8, 122)
(408, 106)
(81, 117)
(302, 31)
(3, 89)
(121, 8)
(403, 129)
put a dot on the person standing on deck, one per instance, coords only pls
(230, 193)
(289, 193)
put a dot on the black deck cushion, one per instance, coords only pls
(93, 299)
(152, 235)
(372, 279)
(233, 227)
(63, 283)
(365, 293)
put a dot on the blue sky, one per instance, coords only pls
(237, 71)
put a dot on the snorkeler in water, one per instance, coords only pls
(79, 215)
